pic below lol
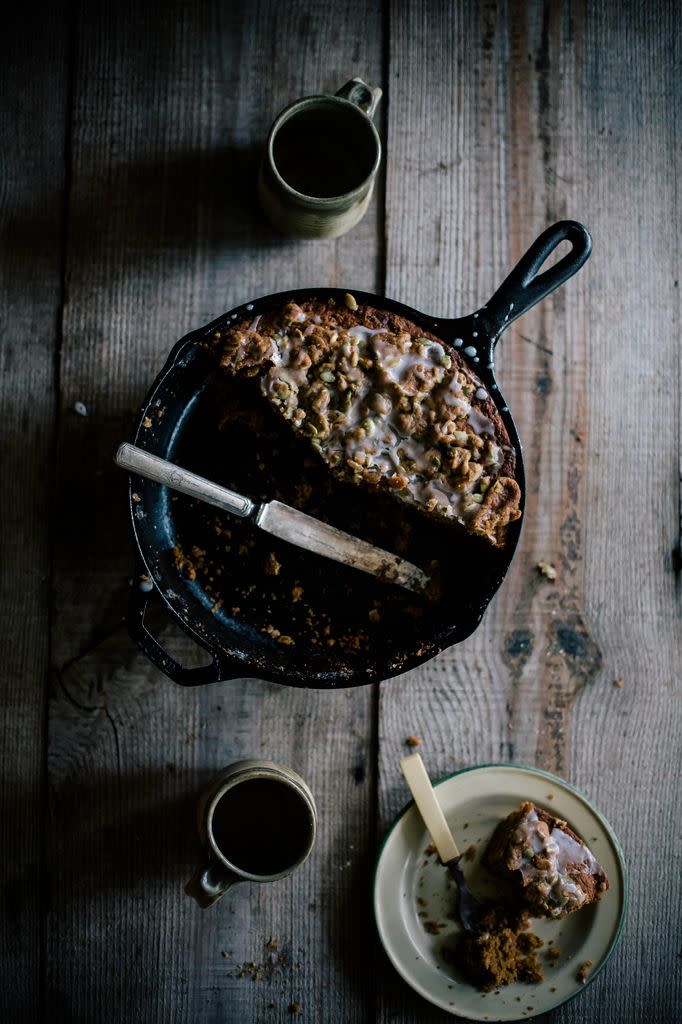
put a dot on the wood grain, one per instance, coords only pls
(33, 84)
(128, 217)
(542, 112)
(171, 107)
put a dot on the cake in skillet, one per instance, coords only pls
(386, 405)
(550, 867)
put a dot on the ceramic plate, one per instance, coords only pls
(413, 894)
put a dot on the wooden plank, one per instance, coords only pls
(512, 118)
(33, 85)
(172, 104)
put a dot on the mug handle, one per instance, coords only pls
(362, 95)
(209, 882)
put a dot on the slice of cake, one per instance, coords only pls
(387, 406)
(552, 870)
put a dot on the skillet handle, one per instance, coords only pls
(216, 672)
(525, 286)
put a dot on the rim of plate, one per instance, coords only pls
(603, 821)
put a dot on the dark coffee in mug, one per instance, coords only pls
(262, 826)
(325, 151)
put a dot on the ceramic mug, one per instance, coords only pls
(320, 163)
(258, 822)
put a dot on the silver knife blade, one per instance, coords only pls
(309, 533)
(278, 519)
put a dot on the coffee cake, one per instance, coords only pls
(386, 405)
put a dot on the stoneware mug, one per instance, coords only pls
(320, 163)
(258, 822)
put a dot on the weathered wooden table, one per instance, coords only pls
(131, 138)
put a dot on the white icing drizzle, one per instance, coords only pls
(480, 423)
(562, 855)
(470, 350)
(362, 332)
(364, 420)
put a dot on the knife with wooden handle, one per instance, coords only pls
(279, 519)
(418, 781)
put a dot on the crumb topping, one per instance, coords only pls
(386, 407)
(557, 871)
(583, 971)
(547, 570)
(548, 859)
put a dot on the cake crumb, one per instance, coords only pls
(583, 970)
(272, 566)
(470, 852)
(296, 593)
(350, 301)
(295, 1007)
(271, 943)
(374, 615)
(618, 682)
(553, 954)
(413, 741)
(183, 563)
(501, 950)
(547, 570)
(432, 927)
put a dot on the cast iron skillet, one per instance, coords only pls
(346, 628)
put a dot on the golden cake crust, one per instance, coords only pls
(387, 405)
(552, 870)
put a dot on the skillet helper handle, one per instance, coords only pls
(216, 672)
(136, 460)
(525, 286)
